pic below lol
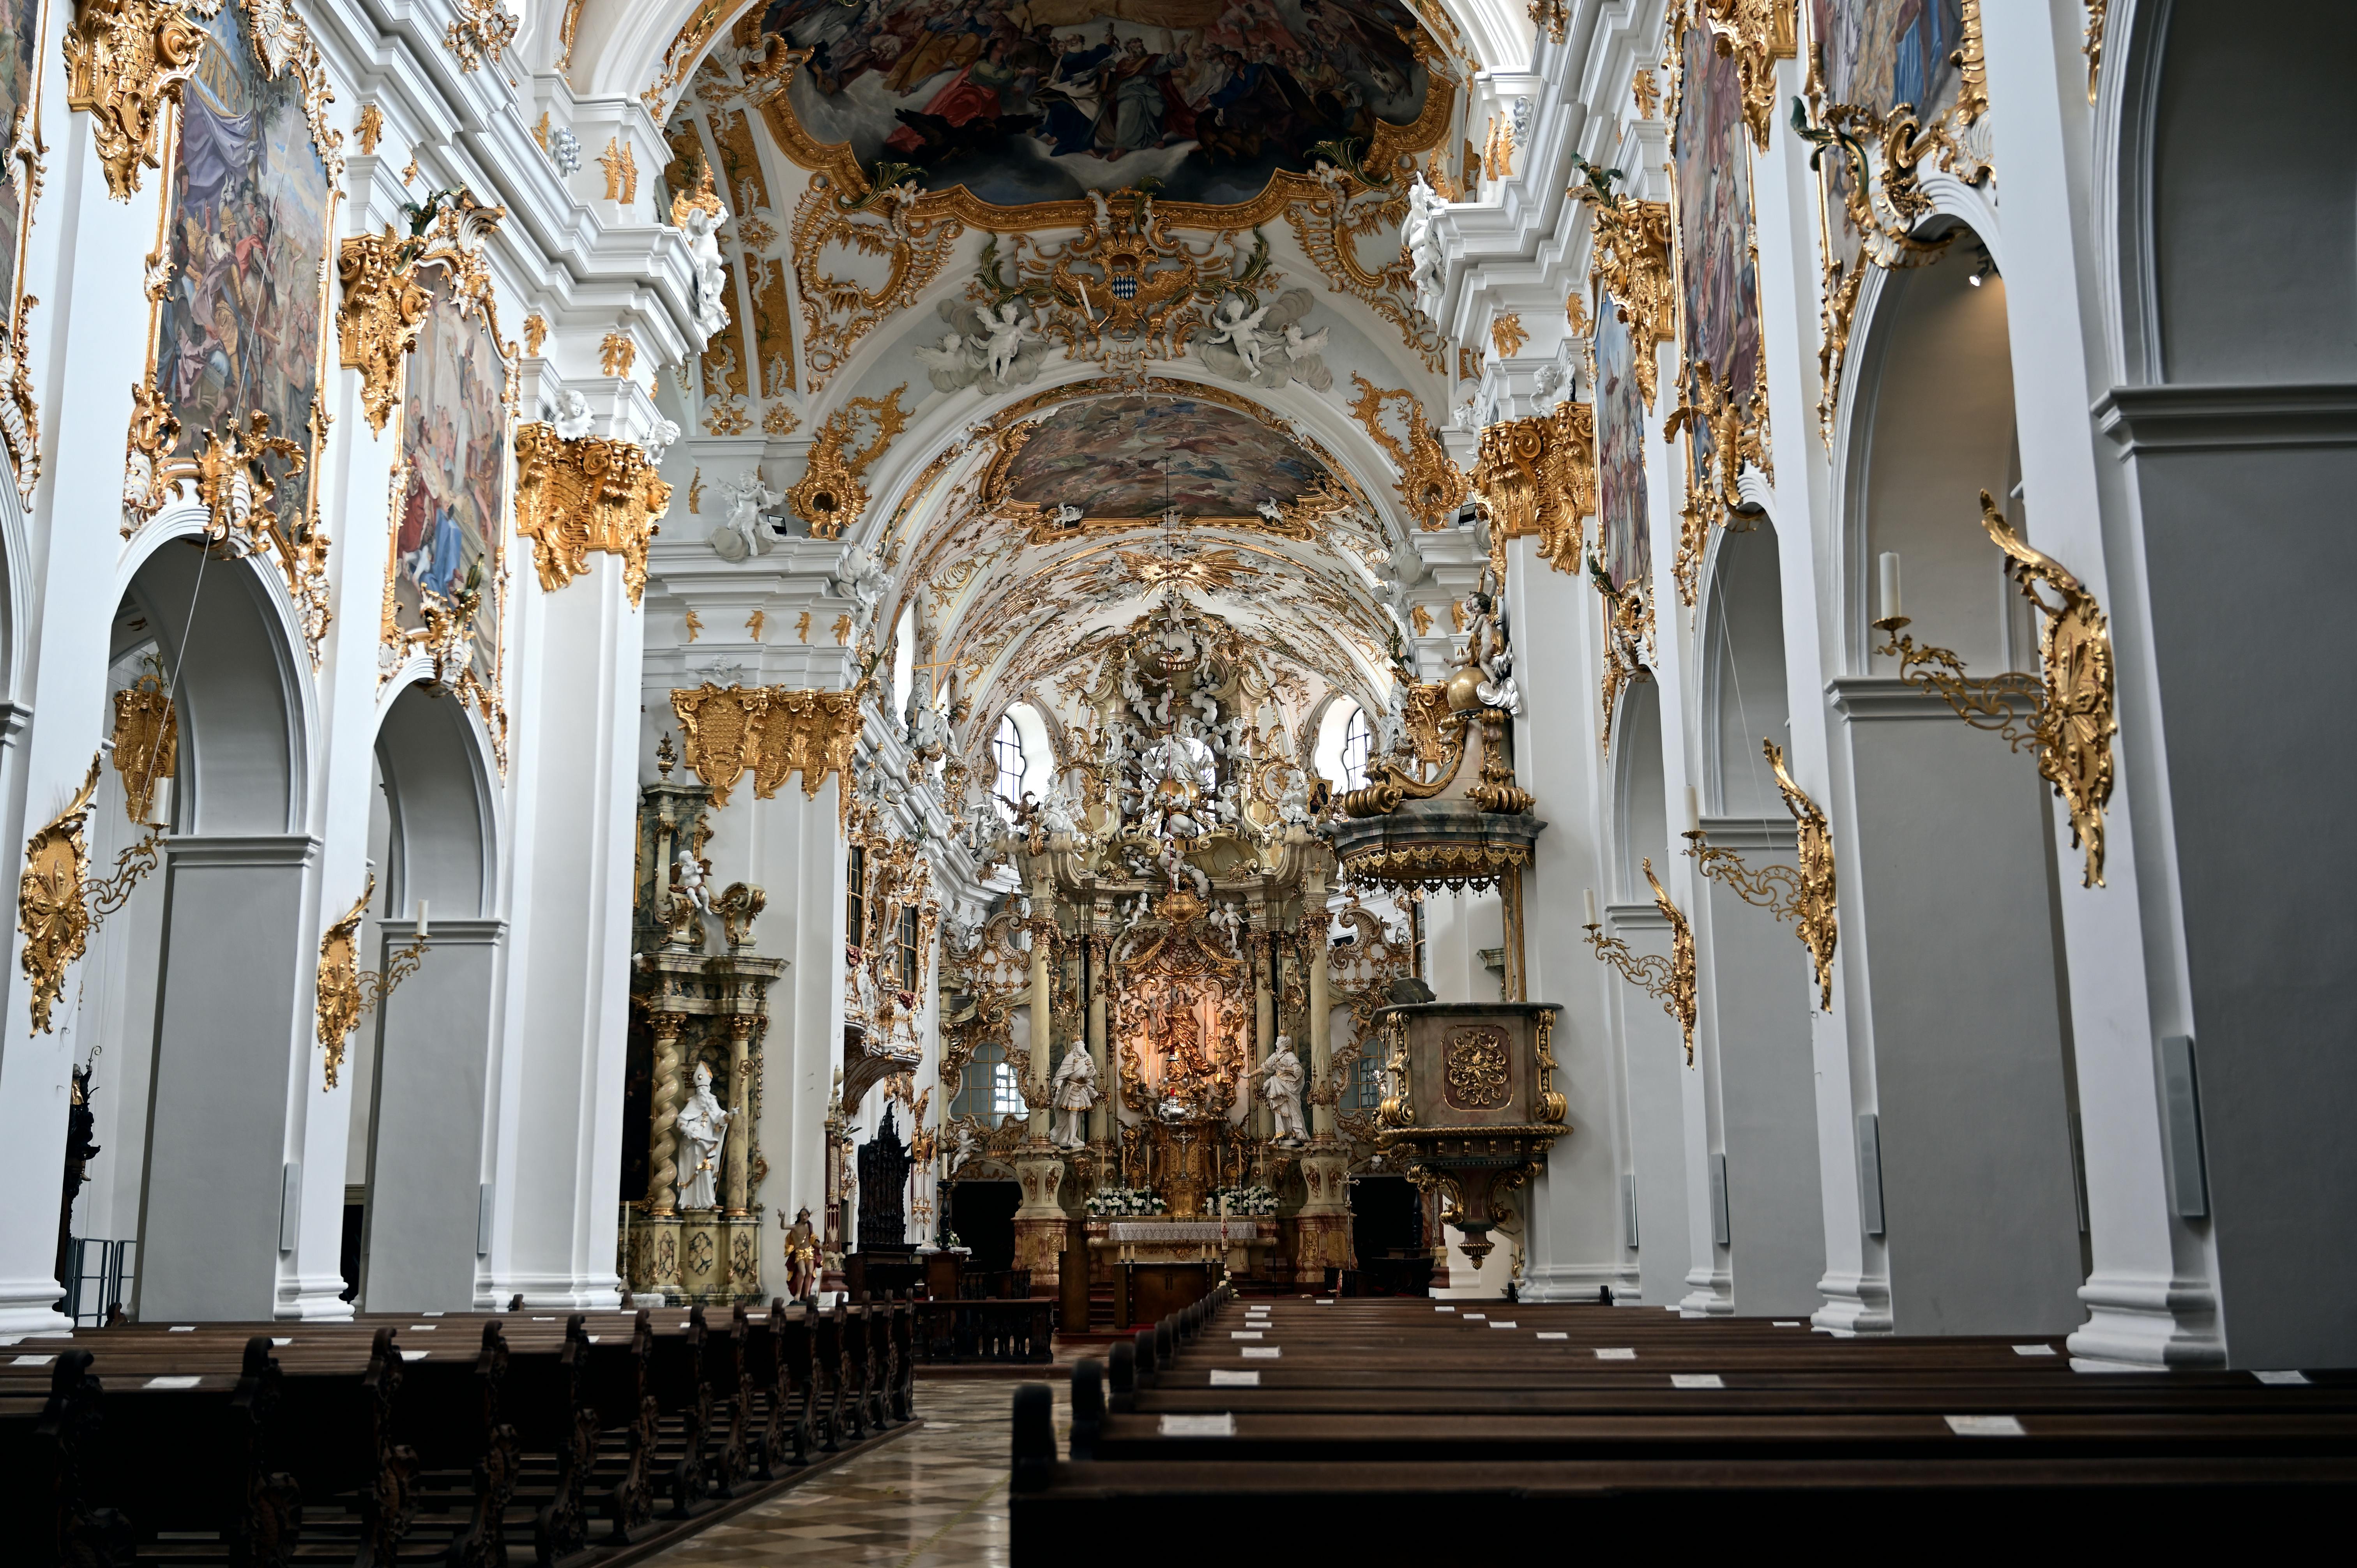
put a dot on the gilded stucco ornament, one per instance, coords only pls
(1628, 633)
(1430, 486)
(1633, 265)
(481, 34)
(2069, 712)
(867, 220)
(770, 731)
(1715, 497)
(1353, 206)
(1537, 476)
(1802, 895)
(50, 911)
(1884, 155)
(125, 60)
(147, 738)
(1670, 979)
(830, 497)
(384, 300)
(345, 991)
(20, 416)
(1754, 34)
(591, 493)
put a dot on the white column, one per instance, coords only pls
(1577, 1241)
(556, 1176)
(2152, 1296)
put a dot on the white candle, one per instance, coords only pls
(159, 805)
(1591, 892)
(421, 919)
(1890, 610)
(1694, 810)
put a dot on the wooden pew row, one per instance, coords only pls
(353, 1441)
(1409, 1437)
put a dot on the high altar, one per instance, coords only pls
(1162, 918)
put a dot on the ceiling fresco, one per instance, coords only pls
(1047, 100)
(1132, 457)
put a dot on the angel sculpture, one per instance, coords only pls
(862, 581)
(992, 346)
(1423, 252)
(1237, 327)
(741, 533)
(1270, 510)
(1229, 921)
(573, 416)
(1067, 515)
(700, 215)
(659, 439)
(1005, 342)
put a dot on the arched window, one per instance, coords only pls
(988, 1090)
(1008, 750)
(1344, 740)
(1358, 739)
(1365, 1090)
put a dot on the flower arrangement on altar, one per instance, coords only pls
(1246, 1202)
(1123, 1200)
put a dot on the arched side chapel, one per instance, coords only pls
(693, 430)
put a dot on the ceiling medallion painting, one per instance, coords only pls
(1131, 458)
(1049, 100)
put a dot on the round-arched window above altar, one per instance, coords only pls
(1344, 741)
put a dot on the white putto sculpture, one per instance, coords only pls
(1074, 1089)
(741, 533)
(701, 213)
(1281, 1079)
(702, 1127)
(1424, 204)
(573, 416)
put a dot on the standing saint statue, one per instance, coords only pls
(1075, 1093)
(1282, 1081)
(704, 1126)
(802, 1255)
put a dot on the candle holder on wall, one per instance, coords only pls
(1669, 979)
(345, 991)
(2068, 710)
(1804, 893)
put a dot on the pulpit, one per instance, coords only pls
(1470, 1104)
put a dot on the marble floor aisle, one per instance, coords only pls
(934, 1498)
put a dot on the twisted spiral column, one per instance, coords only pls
(663, 1143)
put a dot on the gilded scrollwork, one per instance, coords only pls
(1628, 632)
(50, 909)
(385, 302)
(1331, 227)
(147, 738)
(1755, 33)
(830, 495)
(1815, 918)
(869, 220)
(1430, 485)
(1633, 267)
(772, 732)
(588, 494)
(125, 61)
(1537, 476)
(1669, 979)
(20, 416)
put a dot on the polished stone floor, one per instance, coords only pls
(933, 1498)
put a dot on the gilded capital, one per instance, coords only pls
(1537, 476)
(383, 311)
(591, 493)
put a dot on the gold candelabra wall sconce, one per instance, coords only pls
(2068, 711)
(347, 991)
(1668, 978)
(1804, 894)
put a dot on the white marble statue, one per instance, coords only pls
(741, 533)
(965, 1143)
(573, 416)
(702, 1126)
(1230, 922)
(1416, 238)
(1074, 1089)
(1060, 814)
(1281, 1081)
(659, 439)
(701, 223)
(863, 582)
(688, 872)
